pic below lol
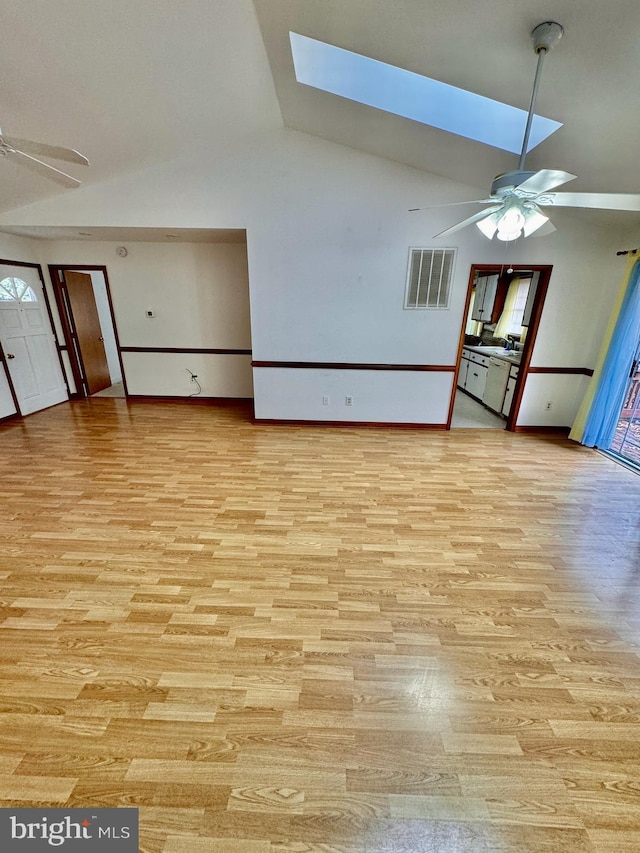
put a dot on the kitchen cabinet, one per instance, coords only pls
(476, 373)
(476, 380)
(486, 288)
(464, 368)
(511, 387)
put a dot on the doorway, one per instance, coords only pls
(28, 344)
(86, 311)
(501, 318)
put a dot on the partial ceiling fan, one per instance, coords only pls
(21, 151)
(517, 197)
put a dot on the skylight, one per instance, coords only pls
(404, 93)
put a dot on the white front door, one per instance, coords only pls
(28, 341)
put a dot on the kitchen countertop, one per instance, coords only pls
(512, 356)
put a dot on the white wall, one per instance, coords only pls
(563, 392)
(18, 248)
(200, 299)
(299, 394)
(169, 374)
(328, 238)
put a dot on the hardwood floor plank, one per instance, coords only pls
(306, 640)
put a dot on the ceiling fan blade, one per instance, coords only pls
(470, 220)
(604, 201)
(41, 168)
(43, 150)
(545, 179)
(453, 204)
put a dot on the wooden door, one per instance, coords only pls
(86, 324)
(28, 341)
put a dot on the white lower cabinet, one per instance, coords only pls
(462, 375)
(476, 379)
(472, 377)
(511, 387)
(473, 372)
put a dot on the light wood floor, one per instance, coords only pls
(290, 639)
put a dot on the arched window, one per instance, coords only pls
(13, 289)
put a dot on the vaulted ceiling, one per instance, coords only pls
(129, 84)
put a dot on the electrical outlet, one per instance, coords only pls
(548, 405)
(348, 400)
(325, 400)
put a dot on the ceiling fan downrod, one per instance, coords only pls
(545, 37)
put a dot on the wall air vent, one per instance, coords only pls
(429, 278)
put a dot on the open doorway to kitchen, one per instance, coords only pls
(86, 312)
(501, 317)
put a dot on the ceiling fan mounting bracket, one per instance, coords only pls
(546, 36)
(503, 184)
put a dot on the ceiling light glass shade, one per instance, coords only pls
(534, 219)
(489, 225)
(510, 224)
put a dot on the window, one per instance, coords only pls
(510, 322)
(14, 289)
(404, 93)
(429, 278)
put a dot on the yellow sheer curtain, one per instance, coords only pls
(503, 327)
(577, 430)
(473, 327)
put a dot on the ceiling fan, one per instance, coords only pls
(21, 151)
(517, 197)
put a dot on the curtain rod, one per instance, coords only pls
(628, 252)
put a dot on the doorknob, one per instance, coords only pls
(10, 355)
(101, 339)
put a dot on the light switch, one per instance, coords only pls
(150, 312)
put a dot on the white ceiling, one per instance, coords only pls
(130, 84)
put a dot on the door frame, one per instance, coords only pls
(536, 312)
(56, 271)
(59, 348)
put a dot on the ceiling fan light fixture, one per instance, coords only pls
(519, 194)
(519, 219)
